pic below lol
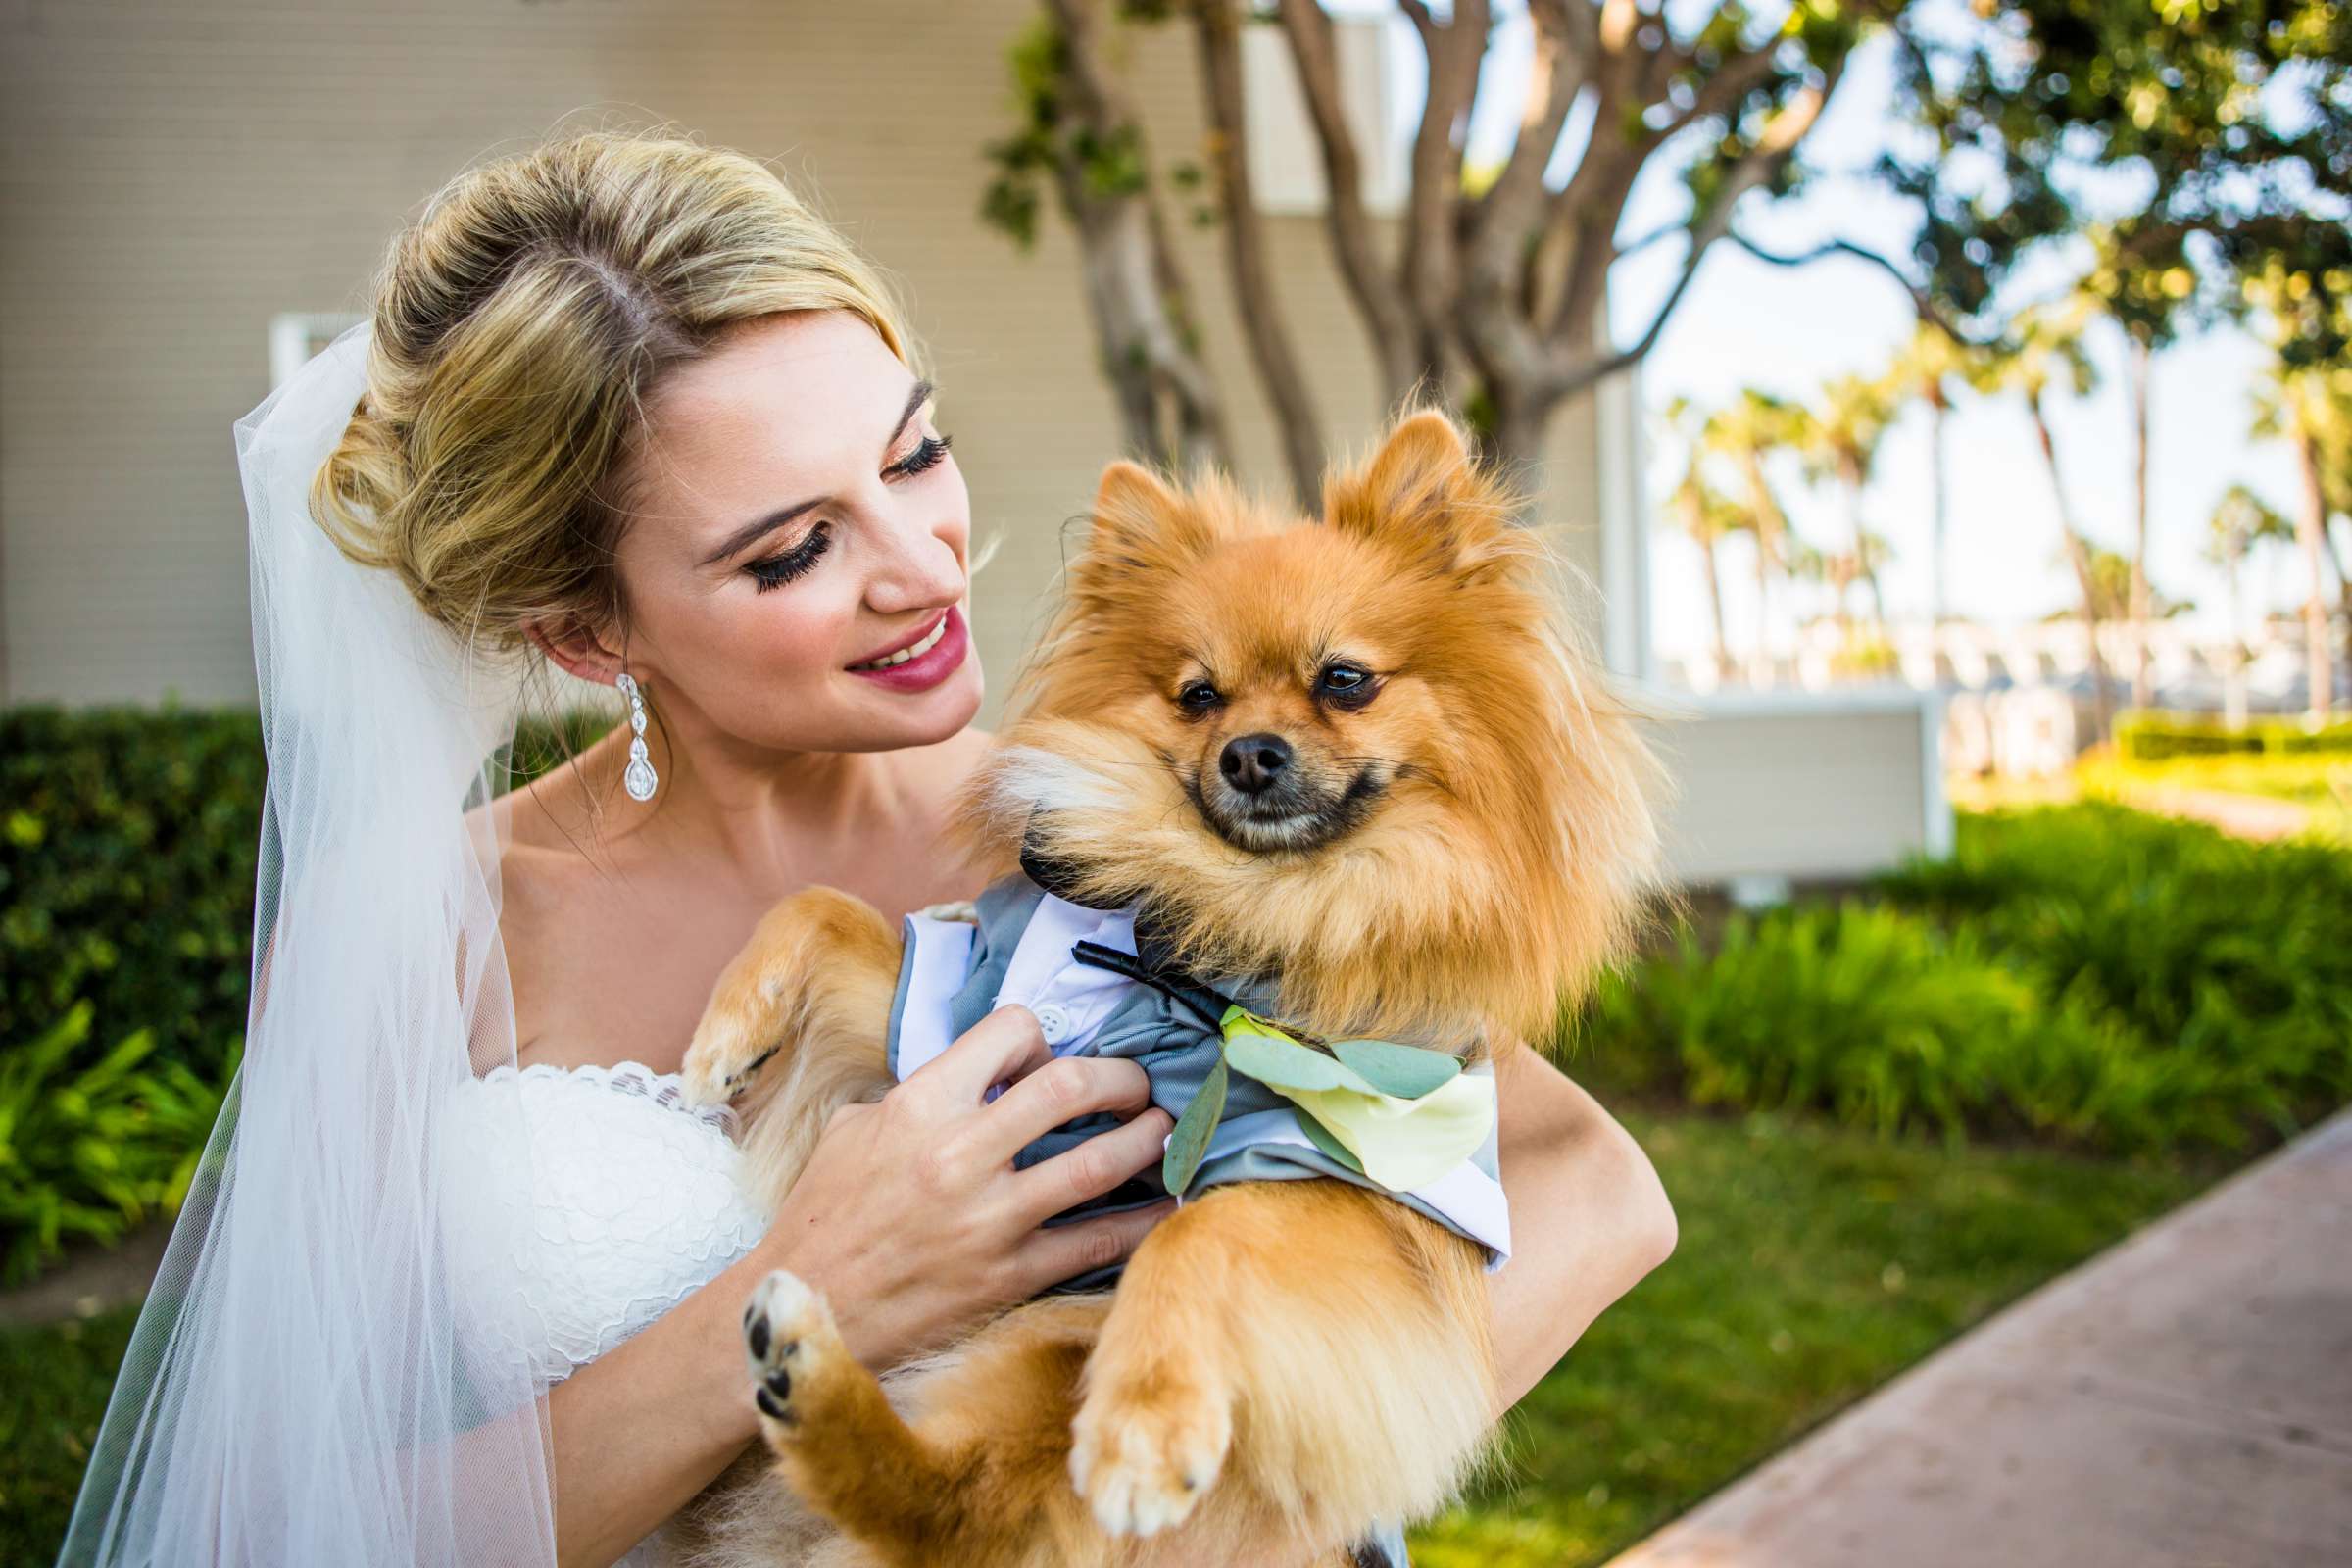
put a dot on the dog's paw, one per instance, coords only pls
(722, 1061)
(963, 912)
(789, 1342)
(1143, 1453)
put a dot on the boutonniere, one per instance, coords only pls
(1402, 1115)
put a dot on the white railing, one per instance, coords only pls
(2017, 700)
(2185, 669)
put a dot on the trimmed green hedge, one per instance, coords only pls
(2158, 737)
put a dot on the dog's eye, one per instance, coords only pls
(1197, 697)
(1345, 685)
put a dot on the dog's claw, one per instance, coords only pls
(1142, 1464)
(788, 1334)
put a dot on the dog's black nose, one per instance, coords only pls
(1254, 764)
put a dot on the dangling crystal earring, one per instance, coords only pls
(639, 779)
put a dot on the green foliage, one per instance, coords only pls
(127, 876)
(2218, 132)
(2086, 975)
(1881, 1021)
(2200, 945)
(1052, 142)
(126, 896)
(87, 1153)
(2153, 737)
(54, 1383)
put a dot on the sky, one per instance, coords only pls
(1745, 323)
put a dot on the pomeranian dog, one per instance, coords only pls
(1354, 768)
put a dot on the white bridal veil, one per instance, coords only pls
(318, 1377)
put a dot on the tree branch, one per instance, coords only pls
(1379, 301)
(1575, 364)
(1432, 254)
(1511, 207)
(1924, 306)
(1134, 283)
(1217, 25)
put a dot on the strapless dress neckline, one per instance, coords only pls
(618, 1200)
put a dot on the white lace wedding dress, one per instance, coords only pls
(619, 1202)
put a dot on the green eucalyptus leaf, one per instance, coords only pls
(1188, 1142)
(1286, 1065)
(1272, 1057)
(1405, 1071)
(1321, 1138)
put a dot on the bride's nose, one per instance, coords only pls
(921, 563)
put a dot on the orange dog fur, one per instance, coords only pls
(1283, 1362)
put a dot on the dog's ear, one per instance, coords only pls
(1425, 491)
(1138, 526)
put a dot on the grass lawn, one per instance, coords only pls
(1814, 1264)
(53, 1388)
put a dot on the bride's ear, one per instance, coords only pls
(575, 650)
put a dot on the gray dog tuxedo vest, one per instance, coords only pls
(953, 973)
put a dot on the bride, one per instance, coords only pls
(460, 1277)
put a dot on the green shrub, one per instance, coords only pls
(2158, 737)
(1878, 1019)
(127, 848)
(2239, 953)
(126, 876)
(91, 1152)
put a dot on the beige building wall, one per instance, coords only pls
(1798, 785)
(177, 174)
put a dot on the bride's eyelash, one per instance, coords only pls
(776, 570)
(926, 455)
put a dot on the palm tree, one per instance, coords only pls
(2141, 357)
(1706, 514)
(2296, 404)
(1929, 366)
(1839, 438)
(2044, 353)
(1747, 433)
(1873, 550)
(2240, 521)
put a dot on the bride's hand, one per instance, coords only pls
(909, 1216)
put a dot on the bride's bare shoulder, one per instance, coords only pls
(538, 830)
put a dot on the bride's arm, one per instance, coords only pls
(1588, 1217)
(911, 1220)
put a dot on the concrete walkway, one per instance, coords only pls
(2182, 1402)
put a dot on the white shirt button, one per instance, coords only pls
(1053, 1023)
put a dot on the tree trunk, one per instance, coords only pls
(1769, 527)
(2143, 364)
(2078, 555)
(1218, 28)
(1759, 664)
(1696, 526)
(1723, 641)
(1937, 518)
(2234, 689)
(2344, 580)
(2310, 527)
(1854, 478)
(1134, 288)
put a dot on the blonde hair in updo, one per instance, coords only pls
(520, 326)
